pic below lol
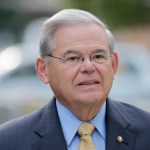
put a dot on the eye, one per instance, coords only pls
(98, 56)
(72, 58)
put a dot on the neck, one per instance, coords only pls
(85, 113)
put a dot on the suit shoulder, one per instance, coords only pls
(131, 113)
(130, 120)
(23, 123)
(20, 133)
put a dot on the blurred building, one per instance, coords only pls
(139, 34)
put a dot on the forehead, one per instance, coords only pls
(80, 36)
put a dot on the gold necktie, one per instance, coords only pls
(85, 131)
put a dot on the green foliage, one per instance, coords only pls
(116, 12)
(5, 16)
(12, 20)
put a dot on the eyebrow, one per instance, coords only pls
(71, 52)
(100, 50)
(75, 52)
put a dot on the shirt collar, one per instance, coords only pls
(99, 121)
(70, 123)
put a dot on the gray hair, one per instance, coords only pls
(67, 17)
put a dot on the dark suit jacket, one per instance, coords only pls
(41, 130)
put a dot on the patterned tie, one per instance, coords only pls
(85, 131)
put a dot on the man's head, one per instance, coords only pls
(77, 60)
(68, 17)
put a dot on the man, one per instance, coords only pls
(78, 61)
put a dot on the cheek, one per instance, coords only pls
(69, 73)
(53, 74)
(62, 77)
(106, 73)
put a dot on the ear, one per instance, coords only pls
(115, 62)
(40, 68)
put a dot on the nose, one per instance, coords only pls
(87, 65)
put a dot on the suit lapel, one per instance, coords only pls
(117, 127)
(48, 132)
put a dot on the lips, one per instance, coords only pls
(91, 82)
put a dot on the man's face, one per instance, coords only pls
(87, 83)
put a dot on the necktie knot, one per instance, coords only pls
(86, 129)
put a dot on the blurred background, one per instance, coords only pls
(20, 23)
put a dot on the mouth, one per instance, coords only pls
(87, 83)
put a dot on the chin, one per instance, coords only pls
(90, 98)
